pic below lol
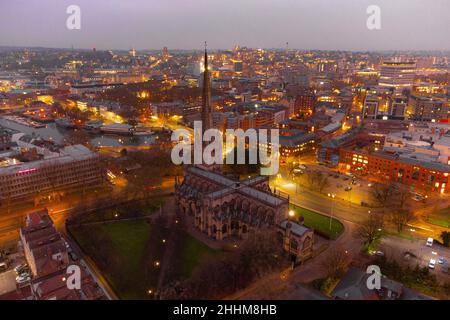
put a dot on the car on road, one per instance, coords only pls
(432, 264)
(370, 185)
(379, 253)
(430, 242)
(298, 171)
(348, 188)
(441, 260)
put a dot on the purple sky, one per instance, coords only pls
(185, 24)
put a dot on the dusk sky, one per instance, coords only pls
(186, 24)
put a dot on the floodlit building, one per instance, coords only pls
(31, 174)
(397, 74)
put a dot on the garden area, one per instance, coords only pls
(319, 222)
(132, 254)
(440, 217)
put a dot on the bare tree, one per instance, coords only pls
(336, 262)
(400, 198)
(322, 181)
(316, 180)
(401, 217)
(370, 230)
(382, 194)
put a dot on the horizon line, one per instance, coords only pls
(225, 49)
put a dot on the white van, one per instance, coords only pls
(429, 242)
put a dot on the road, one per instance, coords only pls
(12, 220)
(348, 204)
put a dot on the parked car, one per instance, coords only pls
(379, 253)
(73, 256)
(348, 188)
(444, 267)
(441, 260)
(22, 279)
(3, 266)
(429, 242)
(21, 268)
(432, 264)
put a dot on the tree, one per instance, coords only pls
(401, 198)
(401, 217)
(316, 180)
(382, 194)
(217, 277)
(310, 179)
(336, 262)
(445, 236)
(322, 181)
(370, 230)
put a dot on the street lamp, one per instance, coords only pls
(291, 214)
(331, 195)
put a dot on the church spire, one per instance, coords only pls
(206, 96)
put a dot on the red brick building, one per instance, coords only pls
(390, 167)
(304, 104)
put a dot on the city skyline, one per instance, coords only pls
(305, 25)
(248, 151)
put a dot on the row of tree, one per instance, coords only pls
(216, 278)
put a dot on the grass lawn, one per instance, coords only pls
(128, 240)
(319, 222)
(124, 245)
(193, 252)
(440, 217)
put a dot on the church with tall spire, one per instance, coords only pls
(224, 207)
(206, 96)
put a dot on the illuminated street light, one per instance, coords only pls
(291, 213)
(331, 195)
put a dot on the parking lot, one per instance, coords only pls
(342, 186)
(421, 253)
(8, 277)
